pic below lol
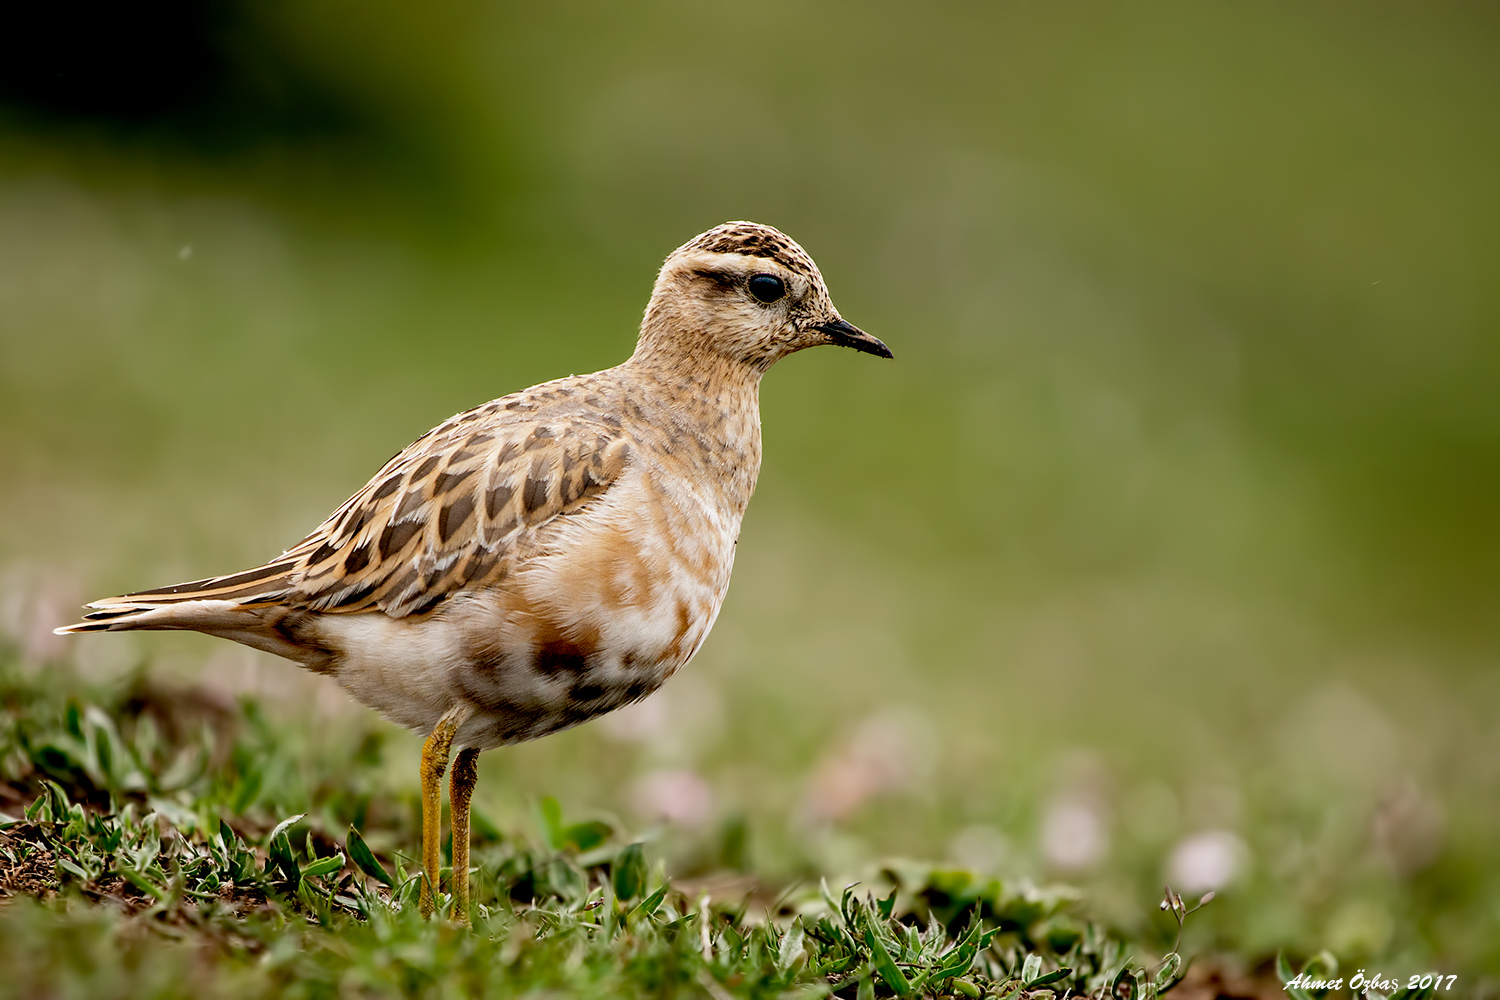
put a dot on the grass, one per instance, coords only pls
(155, 842)
(150, 848)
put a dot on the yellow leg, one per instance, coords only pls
(460, 791)
(434, 763)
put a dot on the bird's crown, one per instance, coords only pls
(754, 240)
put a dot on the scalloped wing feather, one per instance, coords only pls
(447, 516)
(448, 513)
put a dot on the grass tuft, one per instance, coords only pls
(155, 843)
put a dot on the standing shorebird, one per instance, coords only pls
(546, 557)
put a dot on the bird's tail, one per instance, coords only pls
(210, 605)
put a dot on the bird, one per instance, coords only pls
(545, 557)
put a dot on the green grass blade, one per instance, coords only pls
(364, 859)
(881, 962)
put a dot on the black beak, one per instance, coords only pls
(849, 335)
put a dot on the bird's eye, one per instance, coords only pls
(766, 287)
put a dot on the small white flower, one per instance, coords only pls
(676, 796)
(893, 750)
(1073, 834)
(1207, 860)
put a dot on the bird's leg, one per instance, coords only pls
(434, 763)
(460, 791)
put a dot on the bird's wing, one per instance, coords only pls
(440, 517)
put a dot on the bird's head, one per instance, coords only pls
(748, 293)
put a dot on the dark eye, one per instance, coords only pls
(766, 287)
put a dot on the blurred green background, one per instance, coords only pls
(1167, 548)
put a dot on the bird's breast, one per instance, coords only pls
(604, 610)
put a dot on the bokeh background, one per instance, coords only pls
(1168, 547)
